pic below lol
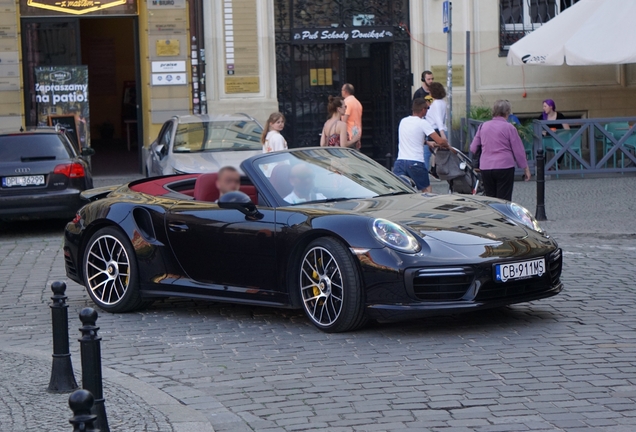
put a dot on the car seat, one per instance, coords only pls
(205, 188)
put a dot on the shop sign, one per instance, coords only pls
(166, 4)
(169, 79)
(74, 7)
(320, 77)
(61, 94)
(167, 48)
(458, 73)
(169, 66)
(343, 35)
(234, 85)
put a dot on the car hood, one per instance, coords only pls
(452, 219)
(210, 161)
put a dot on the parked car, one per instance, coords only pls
(364, 245)
(42, 175)
(203, 143)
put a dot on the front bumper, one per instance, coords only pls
(401, 312)
(440, 288)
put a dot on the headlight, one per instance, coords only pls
(394, 236)
(521, 214)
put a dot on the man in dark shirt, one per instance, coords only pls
(427, 78)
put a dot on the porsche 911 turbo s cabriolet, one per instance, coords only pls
(327, 230)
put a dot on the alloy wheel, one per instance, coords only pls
(321, 286)
(107, 269)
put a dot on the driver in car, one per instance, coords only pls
(302, 180)
(228, 180)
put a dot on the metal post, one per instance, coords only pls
(449, 78)
(540, 213)
(81, 403)
(62, 377)
(92, 365)
(467, 77)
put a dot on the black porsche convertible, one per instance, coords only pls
(323, 229)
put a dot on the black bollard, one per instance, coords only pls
(81, 402)
(540, 160)
(62, 377)
(92, 365)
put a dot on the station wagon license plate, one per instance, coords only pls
(519, 270)
(35, 180)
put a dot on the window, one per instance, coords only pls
(519, 17)
(38, 146)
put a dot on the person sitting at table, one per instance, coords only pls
(550, 113)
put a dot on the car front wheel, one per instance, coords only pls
(330, 287)
(110, 272)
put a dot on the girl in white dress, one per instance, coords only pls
(271, 138)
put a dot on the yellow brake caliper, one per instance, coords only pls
(314, 275)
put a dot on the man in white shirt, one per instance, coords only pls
(412, 134)
(301, 178)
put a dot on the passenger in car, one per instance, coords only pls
(228, 180)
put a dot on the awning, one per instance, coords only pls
(591, 32)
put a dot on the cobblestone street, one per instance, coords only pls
(566, 363)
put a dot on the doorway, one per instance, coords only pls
(109, 48)
(368, 69)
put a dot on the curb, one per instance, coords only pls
(181, 417)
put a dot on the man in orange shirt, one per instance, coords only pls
(353, 114)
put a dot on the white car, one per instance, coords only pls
(203, 143)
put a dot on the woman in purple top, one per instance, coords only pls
(501, 151)
(550, 113)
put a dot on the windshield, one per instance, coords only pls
(327, 174)
(16, 148)
(218, 136)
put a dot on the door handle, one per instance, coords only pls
(177, 227)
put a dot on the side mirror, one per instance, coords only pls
(159, 151)
(239, 201)
(87, 151)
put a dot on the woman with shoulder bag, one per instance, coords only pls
(501, 150)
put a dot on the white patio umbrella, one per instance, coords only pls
(591, 32)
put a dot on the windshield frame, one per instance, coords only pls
(250, 141)
(318, 157)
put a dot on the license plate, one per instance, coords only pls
(519, 270)
(35, 180)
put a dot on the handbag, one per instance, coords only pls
(448, 164)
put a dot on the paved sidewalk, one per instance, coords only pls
(28, 268)
(25, 404)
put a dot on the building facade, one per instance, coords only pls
(146, 60)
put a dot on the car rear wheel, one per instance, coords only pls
(111, 277)
(330, 287)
